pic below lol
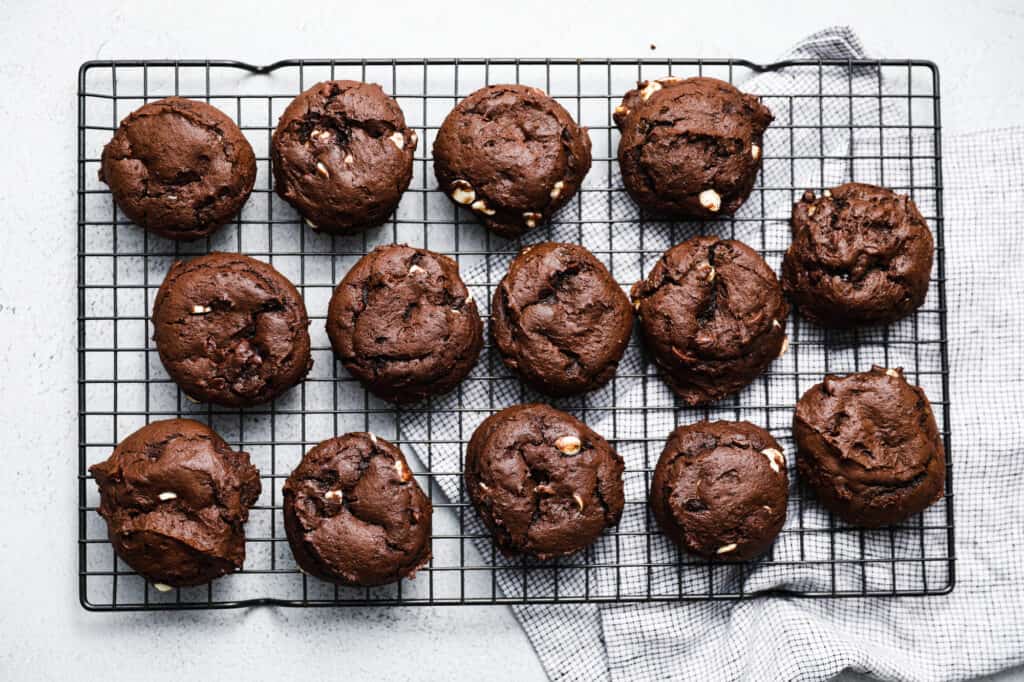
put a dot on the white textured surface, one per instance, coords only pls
(44, 634)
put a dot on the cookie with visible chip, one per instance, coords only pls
(868, 445)
(860, 255)
(690, 148)
(560, 320)
(175, 497)
(231, 330)
(543, 482)
(355, 515)
(403, 323)
(342, 156)
(713, 317)
(512, 155)
(720, 489)
(179, 168)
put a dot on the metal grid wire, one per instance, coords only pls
(122, 384)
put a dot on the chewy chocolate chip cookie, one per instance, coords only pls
(355, 515)
(179, 168)
(343, 156)
(231, 330)
(690, 148)
(560, 320)
(175, 498)
(402, 322)
(860, 255)
(720, 489)
(512, 155)
(867, 443)
(713, 317)
(543, 483)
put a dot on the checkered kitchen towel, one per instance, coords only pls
(979, 628)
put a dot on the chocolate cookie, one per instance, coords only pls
(720, 489)
(868, 445)
(343, 156)
(560, 320)
(511, 154)
(174, 497)
(355, 515)
(404, 324)
(713, 317)
(543, 483)
(231, 330)
(860, 255)
(690, 148)
(179, 168)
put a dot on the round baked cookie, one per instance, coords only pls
(867, 444)
(543, 483)
(720, 489)
(512, 155)
(343, 156)
(713, 317)
(690, 148)
(231, 330)
(179, 168)
(175, 497)
(355, 515)
(860, 255)
(402, 322)
(560, 320)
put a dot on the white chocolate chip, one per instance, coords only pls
(755, 152)
(650, 87)
(725, 549)
(622, 110)
(201, 309)
(322, 171)
(402, 470)
(415, 269)
(171, 197)
(167, 496)
(399, 140)
(785, 346)
(776, 324)
(481, 205)
(710, 272)
(334, 495)
(556, 189)
(463, 193)
(311, 224)
(570, 445)
(827, 193)
(532, 218)
(469, 299)
(349, 159)
(162, 587)
(636, 305)
(579, 500)
(320, 134)
(711, 200)
(373, 438)
(413, 137)
(775, 459)
(893, 373)
(810, 211)
(192, 400)
(544, 489)
(483, 486)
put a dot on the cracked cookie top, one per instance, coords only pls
(402, 322)
(175, 497)
(690, 148)
(342, 155)
(179, 168)
(860, 255)
(543, 482)
(720, 489)
(560, 320)
(512, 155)
(231, 330)
(355, 515)
(867, 443)
(712, 316)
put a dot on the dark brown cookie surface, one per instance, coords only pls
(868, 445)
(860, 255)
(543, 482)
(179, 168)
(690, 147)
(404, 324)
(231, 330)
(720, 489)
(560, 320)
(712, 316)
(174, 497)
(355, 515)
(343, 156)
(512, 155)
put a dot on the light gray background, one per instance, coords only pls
(44, 634)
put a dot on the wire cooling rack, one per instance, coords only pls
(874, 121)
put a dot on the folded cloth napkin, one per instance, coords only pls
(816, 143)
